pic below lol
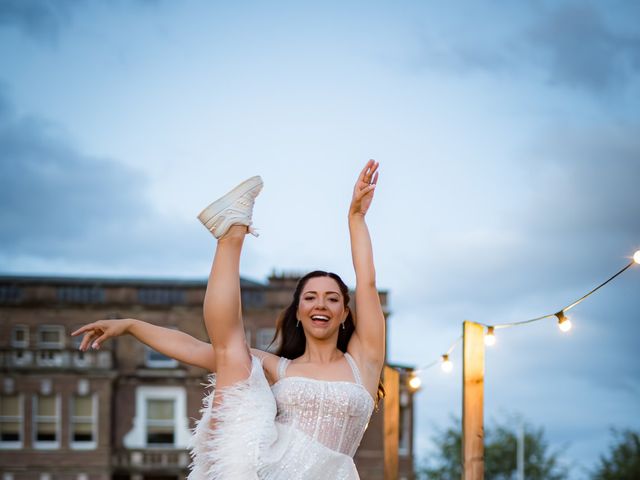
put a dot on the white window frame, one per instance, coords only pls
(56, 360)
(17, 343)
(79, 358)
(19, 443)
(137, 436)
(45, 445)
(51, 328)
(93, 444)
(21, 358)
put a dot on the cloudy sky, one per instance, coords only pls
(509, 140)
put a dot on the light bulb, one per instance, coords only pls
(564, 324)
(636, 257)
(447, 366)
(489, 337)
(415, 382)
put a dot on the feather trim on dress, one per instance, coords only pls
(244, 426)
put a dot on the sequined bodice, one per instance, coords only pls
(334, 413)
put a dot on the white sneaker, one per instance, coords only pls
(234, 208)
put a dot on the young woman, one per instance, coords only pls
(299, 413)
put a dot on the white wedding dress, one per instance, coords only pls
(299, 428)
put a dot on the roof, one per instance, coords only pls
(115, 281)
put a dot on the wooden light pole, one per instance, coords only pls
(391, 422)
(472, 401)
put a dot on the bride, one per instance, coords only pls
(298, 413)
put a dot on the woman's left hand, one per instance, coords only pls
(364, 189)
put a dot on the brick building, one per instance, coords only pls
(125, 412)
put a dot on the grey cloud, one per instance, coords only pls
(581, 50)
(41, 19)
(588, 180)
(579, 203)
(574, 45)
(44, 19)
(51, 192)
(65, 211)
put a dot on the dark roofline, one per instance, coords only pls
(115, 281)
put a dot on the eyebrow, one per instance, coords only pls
(313, 291)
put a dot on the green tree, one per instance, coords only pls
(499, 455)
(622, 462)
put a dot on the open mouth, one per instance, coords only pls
(320, 319)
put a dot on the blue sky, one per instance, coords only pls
(509, 142)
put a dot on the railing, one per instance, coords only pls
(146, 459)
(50, 358)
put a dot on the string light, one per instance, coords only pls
(564, 323)
(447, 366)
(415, 382)
(490, 337)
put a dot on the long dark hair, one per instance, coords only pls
(291, 339)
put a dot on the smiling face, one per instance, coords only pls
(321, 309)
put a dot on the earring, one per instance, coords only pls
(343, 327)
(297, 323)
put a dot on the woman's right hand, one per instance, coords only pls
(97, 332)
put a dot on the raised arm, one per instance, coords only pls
(369, 337)
(172, 343)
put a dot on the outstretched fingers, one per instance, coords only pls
(365, 191)
(91, 331)
(98, 341)
(368, 171)
(84, 328)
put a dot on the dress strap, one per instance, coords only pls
(283, 363)
(354, 368)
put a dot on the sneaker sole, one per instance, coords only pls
(228, 199)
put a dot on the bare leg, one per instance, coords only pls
(222, 312)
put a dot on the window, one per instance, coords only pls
(10, 421)
(83, 421)
(161, 418)
(252, 298)
(263, 339)
(404, 441)
(10, 293)
(21, 358)
(78, 294)
(50, 358)
(20, 336)
(160, 422)
(51, 336)
(80, 359)
(155, 359)
(46, 421)
(160, 296)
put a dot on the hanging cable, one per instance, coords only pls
(564, 323)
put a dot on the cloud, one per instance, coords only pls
(65, 211)
(50, 191)
(41, 19)
(573, 45)
(581, 49)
